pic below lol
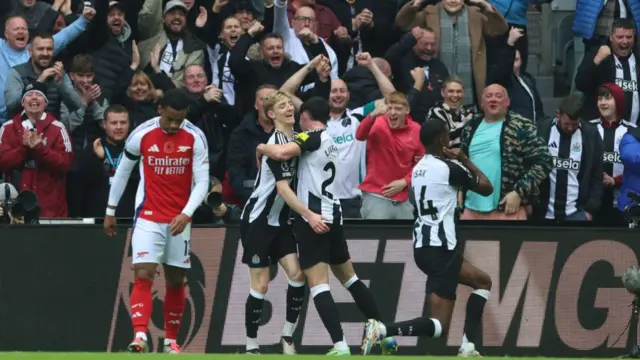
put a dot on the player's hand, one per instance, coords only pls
(455, 154)
(178, 224)
(109, 225)
(511, 203)
(317, 223)
(394, 187)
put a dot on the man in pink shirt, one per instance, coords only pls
(393, 148)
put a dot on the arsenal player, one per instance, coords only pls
(174, 156)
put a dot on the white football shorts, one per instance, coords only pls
(152, 242)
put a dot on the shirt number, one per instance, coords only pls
(430, 209)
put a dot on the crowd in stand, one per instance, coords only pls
(77, 77)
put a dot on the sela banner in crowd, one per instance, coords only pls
(556, 291)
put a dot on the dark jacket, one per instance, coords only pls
(56, 94)
(363, 87)
(589, 76)
(111, 60)
(589, 175)
(241, 158)
(521, 102)
(253, 73)
(402, 60)
(94, 188)
(526, 162)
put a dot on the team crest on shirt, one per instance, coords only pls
(169, 147)
(576, 147)
(255, 259)
(285, 167)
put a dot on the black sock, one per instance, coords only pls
(328, 312)
(363, 298)
(295, 298)
(252, 313)
(475, 308)
(416, 327)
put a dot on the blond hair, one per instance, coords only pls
(453, 79)
(140, 76)
(270, 101)
(397, 97)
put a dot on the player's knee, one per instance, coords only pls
(145, 274)
(297, 276)
(484, 281)
(174, 283)
(260, 286)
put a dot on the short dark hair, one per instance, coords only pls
(270, 36)
(177, 99)
(603, 91)
(82, 64)
(430, 130)
(42, 35)
(626, 24)
(318, 109)
(572, 107)
(115, 109)
(267, 86)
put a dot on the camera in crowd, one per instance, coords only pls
(213, 199)
(632, 209)
(214, 210)
(18, 208)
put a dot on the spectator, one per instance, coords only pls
(254, 129)
(13, 49)
(630, 157)
(459, 32)
(515, 13)
(593, 18)
(611, 127)
(30, 10)
(42, 69)
(393, 148)
(327, 22)
(521, 87)
(614, 62)
(98, 164)
(221, 76)
(573, 190)
(178, 47)
(140, 99)
(274, 68)
(451, 110)
(35, 152)
(301, 41)
(363, 85)
(418, 49)
(118, 51)
(506, 148)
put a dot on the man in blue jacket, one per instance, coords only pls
(630, 157)
(593, 18)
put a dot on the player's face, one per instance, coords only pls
(283, 112)
(171, 119)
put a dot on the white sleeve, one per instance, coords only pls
(200, 174)
(125, 167)
(281, 24)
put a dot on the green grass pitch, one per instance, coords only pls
(119, 356)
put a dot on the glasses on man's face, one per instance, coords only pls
(305, 19)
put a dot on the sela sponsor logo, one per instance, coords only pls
(611, 157)
(525, 303)
(627, 85)
(343, 139)
(168, 165)
(566, 164)
(202, 279)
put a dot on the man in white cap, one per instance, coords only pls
(175, 47)
(35, 152)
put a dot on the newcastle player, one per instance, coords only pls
(321, 242)
(435, 182)
(265, 233)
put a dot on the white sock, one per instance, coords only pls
(383, 331)
(464, 339)
(169, 341)
(288, 329)
(252, 343)
(341, 345)
(141, 335)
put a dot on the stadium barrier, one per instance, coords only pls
(556, 291)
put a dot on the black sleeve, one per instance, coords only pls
(280, 169)
(309, 141)
(460, 176)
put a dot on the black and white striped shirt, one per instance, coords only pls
(564, 184)
(265, 203)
